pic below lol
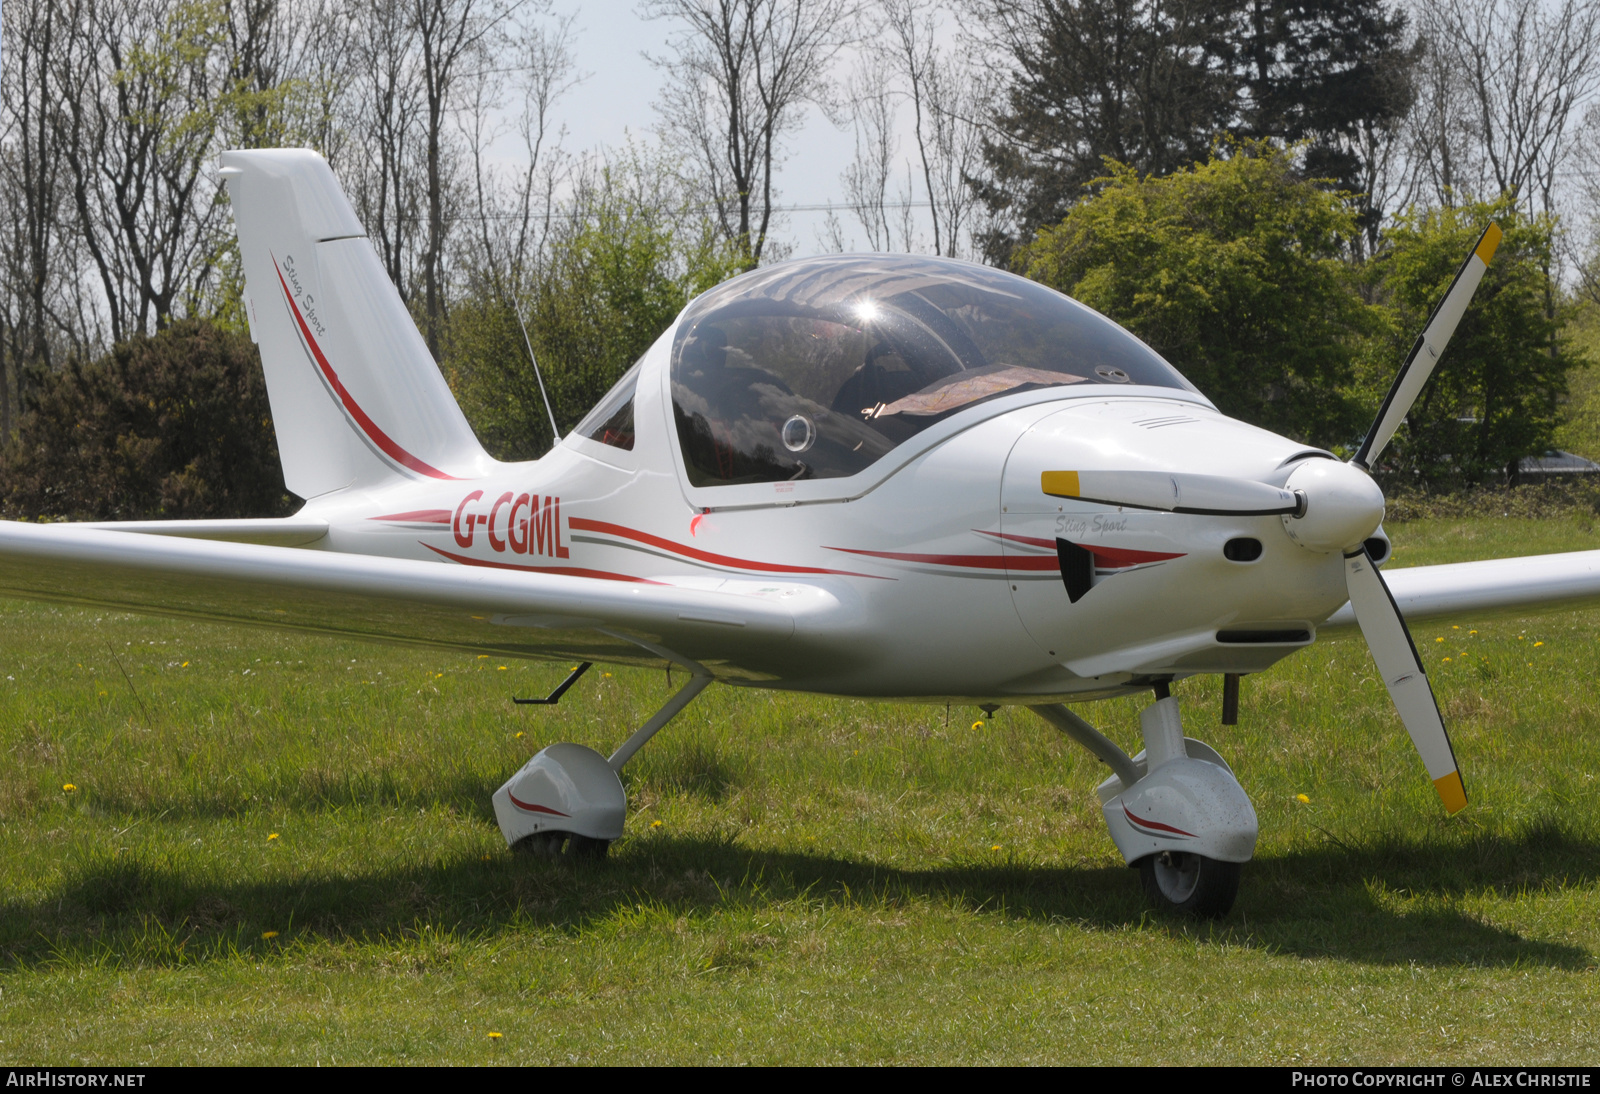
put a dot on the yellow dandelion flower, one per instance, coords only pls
(69, 787)
(1447, 659)
(501, 668)
(483, 657)
(493, 1036)
(606, 675)
(269, 934)
(977, 725)
(184, 665)
(1439, 639)
(655, 824)
(272, 836)
(1472, 632)
(1538, 643)
(996, 847)
(519, 736)
(1302, 799)
(485, 858)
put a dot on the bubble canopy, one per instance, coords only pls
(818, 368)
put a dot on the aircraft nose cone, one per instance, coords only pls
(1343, 506)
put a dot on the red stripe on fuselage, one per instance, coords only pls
(563, 571)
(418, 516)
(969, 562)
(385, 442)
(585, 524)
(1107, 558)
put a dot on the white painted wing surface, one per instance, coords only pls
(748, 633)
(1495, 587)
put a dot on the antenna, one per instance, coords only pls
(555, 430)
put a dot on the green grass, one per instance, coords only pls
(804, 880)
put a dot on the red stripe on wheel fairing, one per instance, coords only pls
(532, 808)
(1155, 826)
(585, 524)
(378, 437)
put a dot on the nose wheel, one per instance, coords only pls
(1186, 882)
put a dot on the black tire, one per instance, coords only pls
(587, 848)
(545, 845)
(1189, 883)
(548, 845)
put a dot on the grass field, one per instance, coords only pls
(280, 849)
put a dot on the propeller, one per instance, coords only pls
(1327, 506)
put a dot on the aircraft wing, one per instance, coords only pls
(732, 628)
(1496, 587)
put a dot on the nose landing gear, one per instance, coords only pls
(1175, 811)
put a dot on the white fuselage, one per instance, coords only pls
(942, 554)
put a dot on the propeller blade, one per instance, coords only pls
(1213, 495)
(1426, 350)
(1396, 657)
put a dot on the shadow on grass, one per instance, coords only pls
(1337, 902)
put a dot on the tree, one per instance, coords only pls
(1152, 84)
(626, 258)
(1498, 392)
(1235, 271)
(1336, 74)
(1144, 83)
(947, 96)
(1506, 84)
(742, 74)
(176, 425)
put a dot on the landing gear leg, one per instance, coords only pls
(1175, 810)
(570, 797)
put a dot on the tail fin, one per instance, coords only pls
(356, 398)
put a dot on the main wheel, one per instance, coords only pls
(1190, 883)
(586, 847)
(549, 845)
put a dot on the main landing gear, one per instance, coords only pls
(569, 799)
(1175, 810)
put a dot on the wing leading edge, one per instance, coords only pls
(1500, 586)
(742, 630)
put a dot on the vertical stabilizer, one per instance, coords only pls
(356, 397)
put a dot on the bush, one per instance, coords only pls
(171, 426)
(1498, 391)
(1236, 271)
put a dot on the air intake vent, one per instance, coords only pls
(1243, 549)
(1297, 636)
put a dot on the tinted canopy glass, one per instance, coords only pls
(818, 368)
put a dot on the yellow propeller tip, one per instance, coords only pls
(1489, 243)
(1451, 792)
(1060, 484)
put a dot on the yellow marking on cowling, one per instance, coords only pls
(1060, 484)
(1489, 243)
(1451, 792)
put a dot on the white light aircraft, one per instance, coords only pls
(854, 475)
